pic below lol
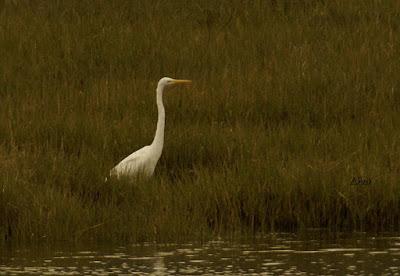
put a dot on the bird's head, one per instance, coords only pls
(170, 82)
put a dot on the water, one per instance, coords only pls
(275, 254)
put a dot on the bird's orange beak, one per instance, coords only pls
(182, 81)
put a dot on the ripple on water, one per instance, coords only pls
(378, 252)
(349, 254)
(185, 251)
(307, 252)
(341, 249)
(141, 258)
(86, 253)
(272, 264)
(163, 254)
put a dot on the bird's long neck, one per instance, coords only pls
(158, 141)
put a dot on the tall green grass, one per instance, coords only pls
(291, 100)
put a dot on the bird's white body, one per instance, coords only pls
(143, 161)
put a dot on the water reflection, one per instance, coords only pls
(275, 254)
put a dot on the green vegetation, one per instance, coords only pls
(292, 103)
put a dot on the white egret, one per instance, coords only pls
(143, 161)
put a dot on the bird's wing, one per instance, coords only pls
(130, 163)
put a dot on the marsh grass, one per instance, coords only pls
(291, 100)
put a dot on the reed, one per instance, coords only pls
(292, 121)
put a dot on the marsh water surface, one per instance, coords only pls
(275, 254)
